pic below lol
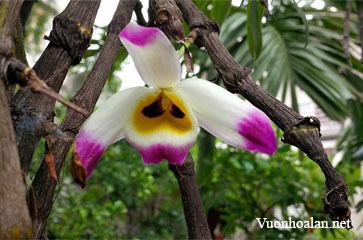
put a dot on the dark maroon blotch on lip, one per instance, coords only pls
(153, 110)
(176, 112)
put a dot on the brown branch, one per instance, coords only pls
(140, 17)
(19, 44)
(86, 97)
(14, 216)
(19, 73)
(193, 206)
(360, 16)
(166, 15)
(69, 39)
(345, 41)
(301, 132)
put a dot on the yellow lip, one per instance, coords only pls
(161, 111)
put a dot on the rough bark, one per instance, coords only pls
(301, 132)
(40, 205)
(140, 17)
(14, 218)
(69, 40)
(166, 15)
(193, 207)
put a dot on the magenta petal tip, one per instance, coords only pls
(89, 151)
(157, 152)
(258, 133)
(139, 35)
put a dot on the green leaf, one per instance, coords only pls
(233, 27)
(305, 21)
(202, 4)
(255, 12)
(221, 10)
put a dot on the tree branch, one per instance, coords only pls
(301, 132)
(140, 17)
(69, 40)
(20, 74)
(14, 218)
(166, 15)
(193, 207)
(86, 97)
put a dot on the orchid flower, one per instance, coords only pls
(162, 121)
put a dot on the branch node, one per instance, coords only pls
(193, 34)
(18, 72)
(53, 133)
(167, 16)
(309, 123)
(70, 35)
(335, 203)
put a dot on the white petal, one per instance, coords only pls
(162, 126)
(154, 56)
(105, 126)
(228, 117)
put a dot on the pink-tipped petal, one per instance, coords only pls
(139, 35)
(89, 150)
(157, 152)
(105, 126)
(154, 56)
(228, 117)
(257, 131)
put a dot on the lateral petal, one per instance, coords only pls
(154, 56)
(105, 126)
(228, 117)
(162, 126)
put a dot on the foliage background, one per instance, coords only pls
(293, 45)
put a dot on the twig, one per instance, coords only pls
(27, 78)
(47, 91)
(345, 42)
(302, 132)
(167, 16)
(140, 17)
(15, 221)
(193, 207)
